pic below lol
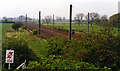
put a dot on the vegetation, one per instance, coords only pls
(6, 21)
(24, 27)
(35, 32)
(39, 46)
(36, 44)
(115, 20)
(98, 51)
(84, 27)
(5, 26)
(56, 63)
(17, 25)
(55, 45)
(22, 51)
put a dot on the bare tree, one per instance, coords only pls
(79, 18)
(30, 19)
(104, 18)
(21, 18)
(86, 17)
(48, 19)
(75, 20)
(94, 17)
(97, 18)
(64, 19)
(58, 18)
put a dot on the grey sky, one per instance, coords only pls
(14, 8)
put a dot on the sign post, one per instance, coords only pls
(9, 57)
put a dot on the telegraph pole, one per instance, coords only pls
(53, 21)
(26, 19)
(39, 21)
(33, 20)
(70, 22)
(88, 24)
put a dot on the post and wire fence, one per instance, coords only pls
(39, 21)
(91, 22)
(81, 23)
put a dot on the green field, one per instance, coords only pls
(81, 27)
(5, 26)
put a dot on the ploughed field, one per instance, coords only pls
(48, 32)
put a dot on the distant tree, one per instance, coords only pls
(58, 18)
(104, 18)
(48, 19)
(21, 18)
(97, 18)
(64, 19)
(79, 18)
(75, 20)
(94, 17)
(6, 20)
(30, 19)
(86, 17)
(10, 19)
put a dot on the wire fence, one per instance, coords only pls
(80, 22)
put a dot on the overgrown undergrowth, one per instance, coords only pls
(98, 51)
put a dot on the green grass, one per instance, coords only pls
(5, 26)
(38, 45)
(3, 29)
(82, 27)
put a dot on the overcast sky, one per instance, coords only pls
(14, 8)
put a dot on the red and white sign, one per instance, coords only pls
(9, 56)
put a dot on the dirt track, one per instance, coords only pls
(47, 32)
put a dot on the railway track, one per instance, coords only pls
(47, 32)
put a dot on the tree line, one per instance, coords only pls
(79, 18)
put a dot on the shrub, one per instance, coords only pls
(68, 49)
(56, 44)
(105, 51)
(24, 27)
(35, 32)
(75, 50)
(101, 49)
(21, 49)
(56, 63)
(17, 25)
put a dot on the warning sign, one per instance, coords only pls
(9, 56)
